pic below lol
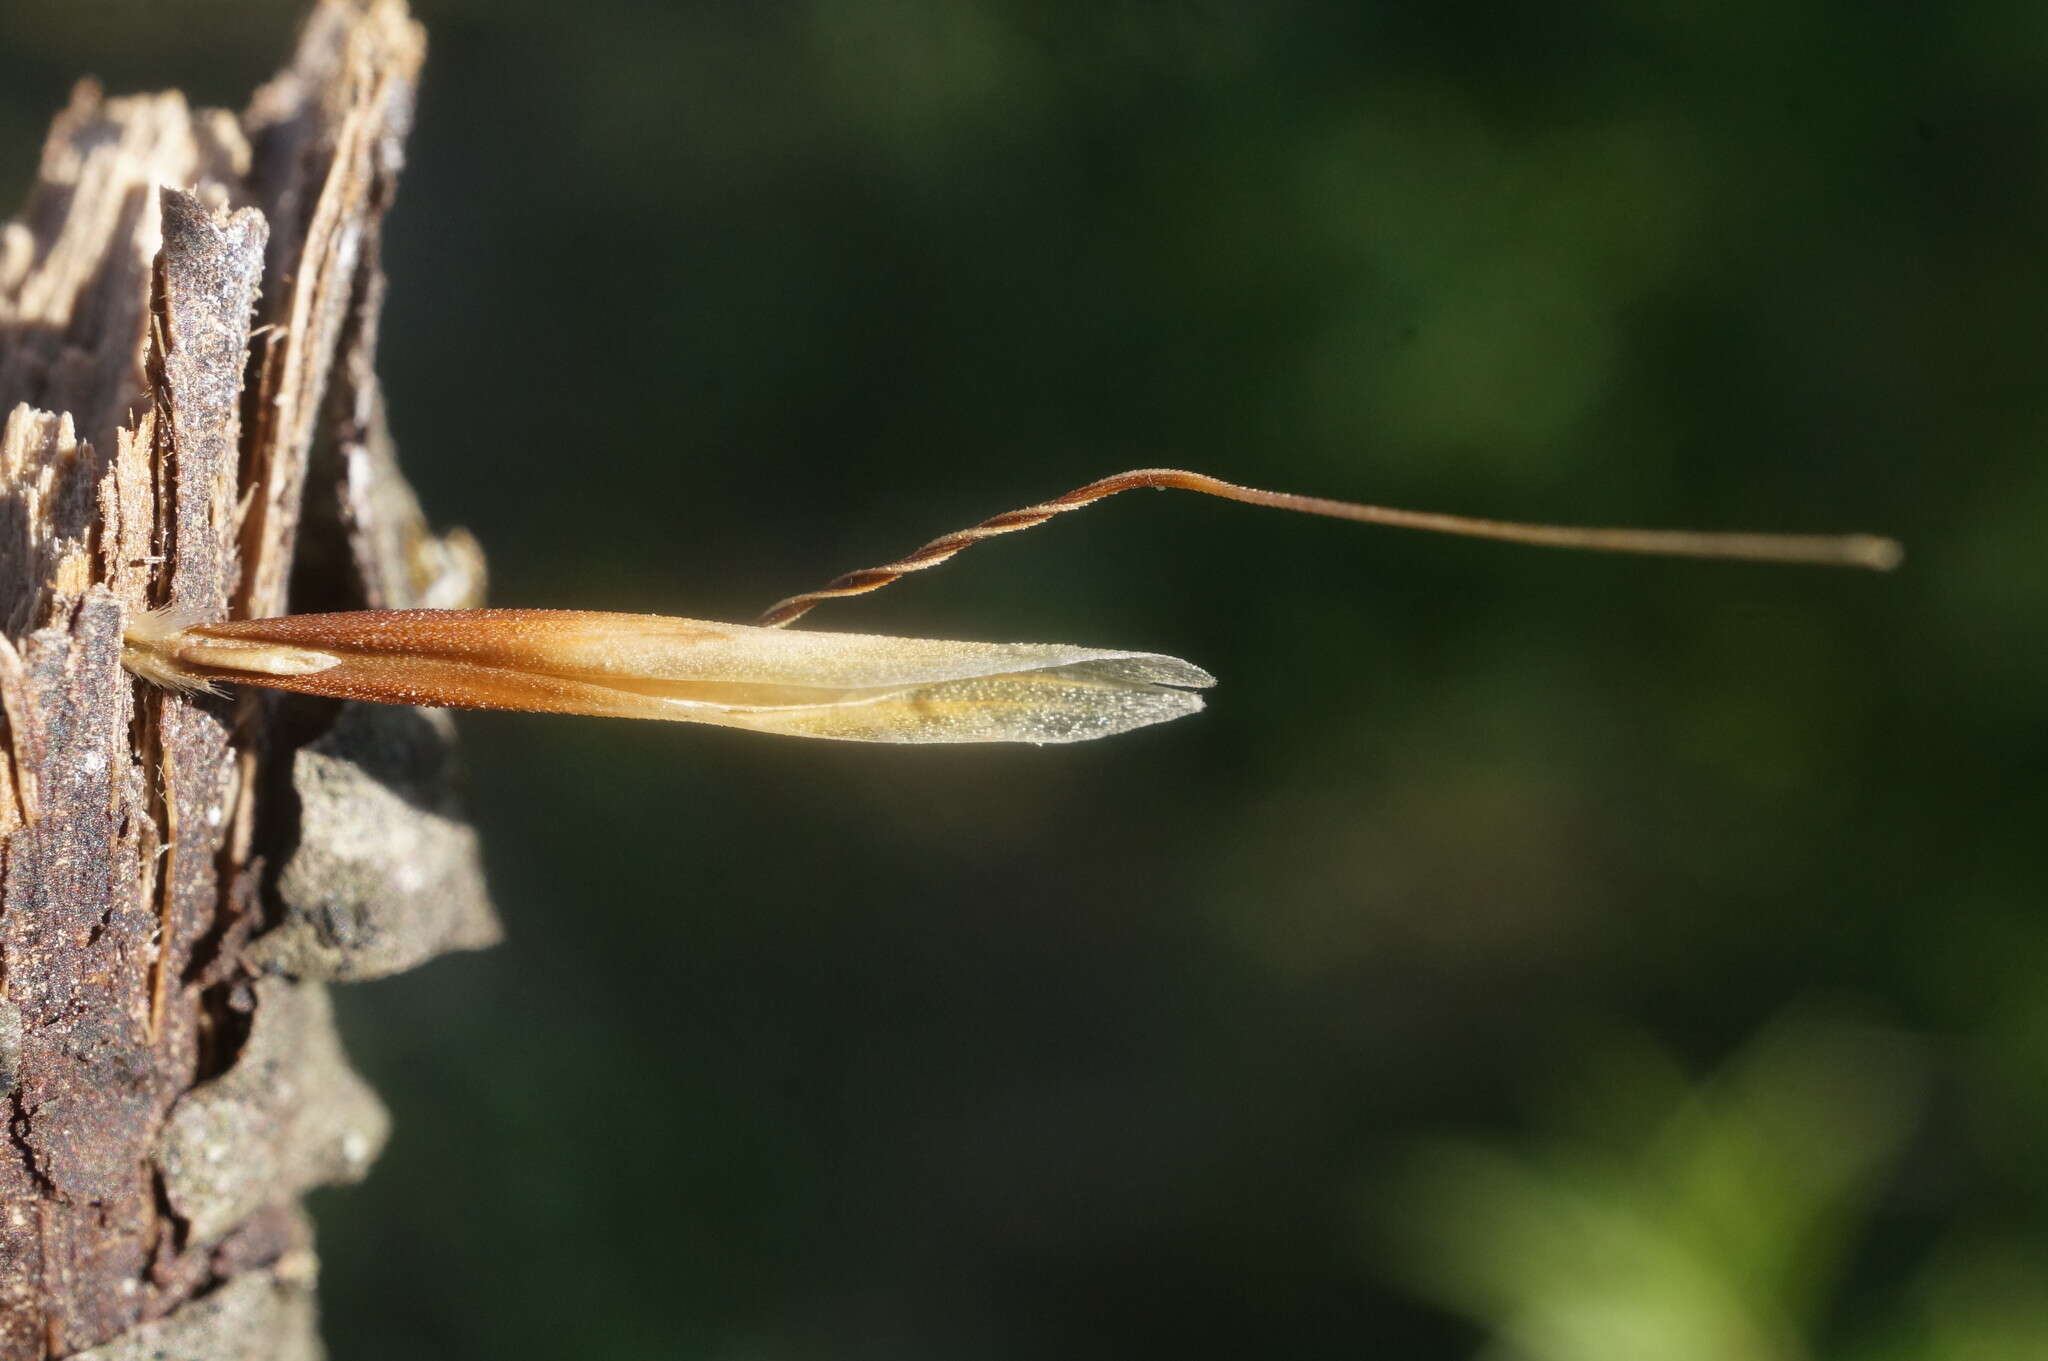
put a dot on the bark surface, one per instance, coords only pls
(188, 313)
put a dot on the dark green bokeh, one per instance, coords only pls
(818, 1051)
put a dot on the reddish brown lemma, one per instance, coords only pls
(834, 685)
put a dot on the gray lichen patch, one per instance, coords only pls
(10, 1045)
(289, 1116)
(258, 1316)
(386, 873)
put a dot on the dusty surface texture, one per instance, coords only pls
(289, 1116)
(386, 873)
(188, 308)
(262, 1315)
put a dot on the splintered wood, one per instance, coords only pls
(188, 308)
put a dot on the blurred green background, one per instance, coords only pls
(1527, 955)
